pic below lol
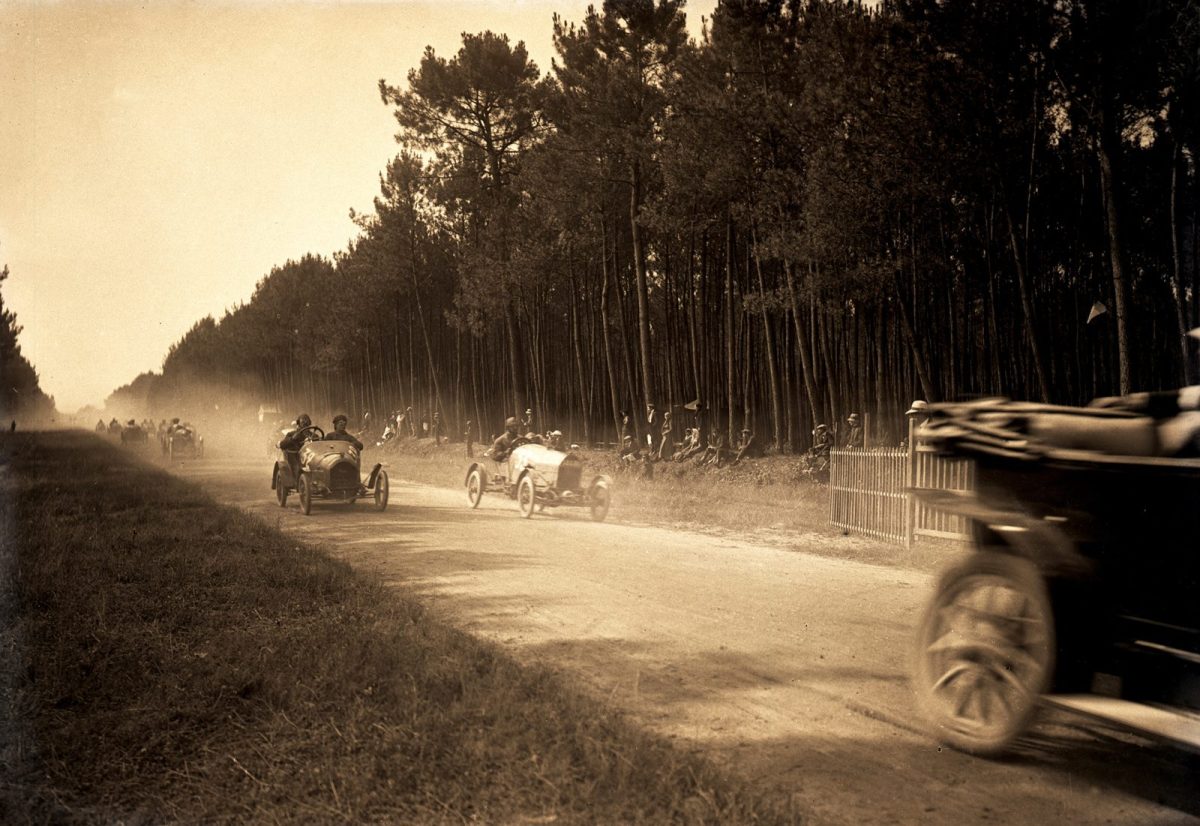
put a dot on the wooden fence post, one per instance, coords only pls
(910, 501)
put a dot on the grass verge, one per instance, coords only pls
(170, 659)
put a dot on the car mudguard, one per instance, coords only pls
(476, 466)
(1041, 541)
(374, 473)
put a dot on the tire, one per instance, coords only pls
(984, 653)
(281, 491)
(475, 485)
(526, 496)
(601, 501)
(381, 490)
(304, 488)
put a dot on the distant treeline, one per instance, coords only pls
(21, 395)
(820, 208)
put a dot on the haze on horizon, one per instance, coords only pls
(160, 160)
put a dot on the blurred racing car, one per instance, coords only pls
(182, 441)
(133, 435)
(326, 469)
(538, 477)
(1083, 588)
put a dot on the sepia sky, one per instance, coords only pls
(157, 159)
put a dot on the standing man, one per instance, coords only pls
(527, 422)
(469, 437)
(437, 428)
(664, 437)
(652, 426)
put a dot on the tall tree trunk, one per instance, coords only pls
(730, 394)
(639, 269)
(433, 375)
(578, 348)
(776, 405)
(1177, 268)
(1039, 365)
(806, 364)
(913, 344)
(604, 330)
(1106, 147)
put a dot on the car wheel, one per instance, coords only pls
(475, 487)
(304, 488)
(381, 490)
(601, 499)
(281, 491)
(526, 496)
(984, 652)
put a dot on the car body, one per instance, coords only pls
(1083, 586)
(183, 442)
(327, 469)
(538, 477)
(134, 436)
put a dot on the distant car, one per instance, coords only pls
(539, 477)
(134, 436)
(183, 442)
(329, 470)
(1083, 589)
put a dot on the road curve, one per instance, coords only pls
(786, 667)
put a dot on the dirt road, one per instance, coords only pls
(788, 668)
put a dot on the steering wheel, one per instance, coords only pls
(312, 428)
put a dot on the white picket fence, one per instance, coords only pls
(869, 493)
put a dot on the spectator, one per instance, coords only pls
(469, 437)
(664, 437)
(746, 447)
(714, 454)
(652, 426)
(854, 435)
(691, 445)
(437, 428)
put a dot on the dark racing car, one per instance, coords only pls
(1083, 587)
(328, 470)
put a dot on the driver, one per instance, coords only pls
(507, 440)
(290, 444)
(339, 433)
(292, 441)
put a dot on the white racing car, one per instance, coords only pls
(538, 477)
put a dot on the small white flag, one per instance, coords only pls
(1098, 310)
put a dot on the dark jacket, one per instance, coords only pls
(334, 436)
(294, 439)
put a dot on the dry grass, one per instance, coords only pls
(170, 659)
(767, 500)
